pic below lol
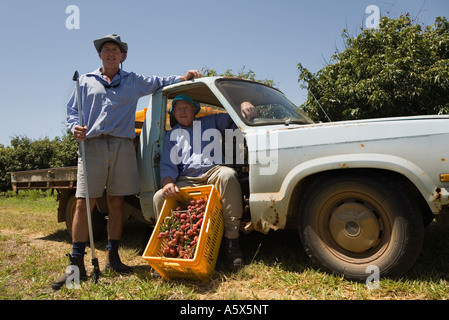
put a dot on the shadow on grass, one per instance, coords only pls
(433, 262)
(60, 235)
(282, 248)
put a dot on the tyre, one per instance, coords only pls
(348, 224)
(98, 219)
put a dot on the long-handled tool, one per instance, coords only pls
(96, 271)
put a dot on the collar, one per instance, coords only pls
(97, 72)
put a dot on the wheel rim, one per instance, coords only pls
(354, 228)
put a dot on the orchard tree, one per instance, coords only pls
(242, 73)
(398, 69)
(65, 151)
(27, 154)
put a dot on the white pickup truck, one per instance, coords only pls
(360, 193)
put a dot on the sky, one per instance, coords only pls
(43, 43)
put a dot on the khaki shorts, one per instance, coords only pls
(111, 163)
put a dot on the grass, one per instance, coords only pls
(33, 247)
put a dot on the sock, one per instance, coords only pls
(112, 244)
(78, 249)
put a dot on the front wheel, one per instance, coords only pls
(349, 224)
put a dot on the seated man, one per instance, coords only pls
(195, 167)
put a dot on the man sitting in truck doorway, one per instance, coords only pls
(195, 168)
(109, 97)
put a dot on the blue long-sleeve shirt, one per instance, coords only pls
(111, 110)
(191, 151)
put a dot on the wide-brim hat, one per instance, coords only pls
(112, 38)
(187, 98)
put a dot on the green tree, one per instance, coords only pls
(242, 73)
(65, 153)
(398, 69)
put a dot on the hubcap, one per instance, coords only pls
(354, 226)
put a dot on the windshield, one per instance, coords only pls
(271, 106)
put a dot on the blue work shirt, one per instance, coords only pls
(192, 151)
(111, 110)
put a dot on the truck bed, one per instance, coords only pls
(53, 178)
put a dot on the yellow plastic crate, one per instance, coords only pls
(202, 265)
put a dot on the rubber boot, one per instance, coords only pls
(234, 257)
(73, 261)
(113, 262)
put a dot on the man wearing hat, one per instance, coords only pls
(109, 97)
(192, 166)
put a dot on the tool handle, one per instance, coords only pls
(75, 76)
(78, 98)
(83, 157)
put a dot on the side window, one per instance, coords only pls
(206, 109)
(199, 92)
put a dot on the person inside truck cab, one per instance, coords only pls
(109, 97)
(195, 167)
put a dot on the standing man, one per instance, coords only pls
(109, 97)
